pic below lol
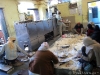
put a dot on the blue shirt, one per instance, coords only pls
(11, 54)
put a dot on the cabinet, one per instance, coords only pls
(68, 26)
(31, 34)
(55, 29)
(35, 33)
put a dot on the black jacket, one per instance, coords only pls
(96, 36)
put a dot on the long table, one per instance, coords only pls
(67, 65)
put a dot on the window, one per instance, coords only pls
(95, 12)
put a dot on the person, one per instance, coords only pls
(91, 54)
(42, 62)
(78, 28)
(90, 30)
(83, 61)
(60, 23)
(96, 34)
(10, 51)
(93, 25)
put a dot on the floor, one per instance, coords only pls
(25, 65)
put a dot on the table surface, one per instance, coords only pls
(68, 62)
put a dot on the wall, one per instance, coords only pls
(10, 13)
(78, 18)
(42, 10)
(40, 5)
(85, 9)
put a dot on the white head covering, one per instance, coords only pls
(88, 41)
(44, 46)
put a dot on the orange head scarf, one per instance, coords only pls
(10, 42)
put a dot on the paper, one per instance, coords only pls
(73, 11)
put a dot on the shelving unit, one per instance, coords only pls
(68, 26)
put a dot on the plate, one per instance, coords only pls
(62, 60)
(63, 56)
(65, 46)
(24, 59)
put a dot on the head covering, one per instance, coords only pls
(10, 42)
(88, 41)
(90, 26)
(44, 46)
(96, 28)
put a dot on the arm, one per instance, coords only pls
(2, 50)
(82, 29)
(22, 50)
(75, 29)
(90, 55)
(54, 58)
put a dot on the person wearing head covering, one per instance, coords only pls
(60, 23)
(96, 34)
(93, 25)
(42, 62)
(90, 30)
(90, 54)
(10, 49)
(92, 50)
(78, 28)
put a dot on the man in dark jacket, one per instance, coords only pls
(78, 28)
(96, 34)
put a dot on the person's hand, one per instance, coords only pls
(77, 33)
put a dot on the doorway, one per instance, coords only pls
(35, 13)
(3, 28)
(94, 12)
